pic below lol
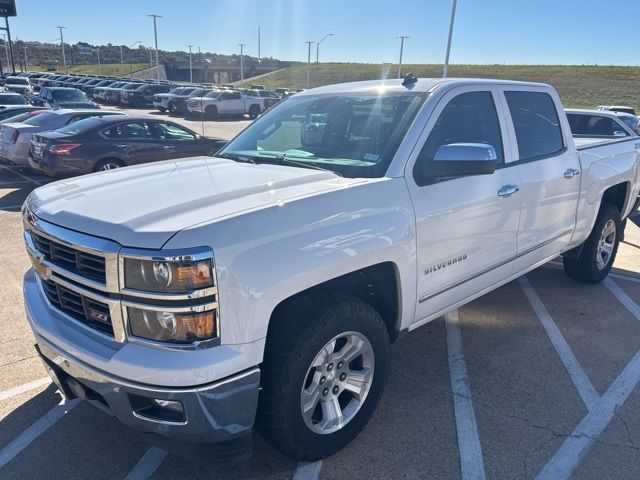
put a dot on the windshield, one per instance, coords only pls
(17, 81)
(352, 134)
(131, 86)
(69, 95)
(213, 94)
(198, 93)
(176, 91)
(632, 122)
(43, 119)
(13, 100)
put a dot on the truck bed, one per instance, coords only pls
(583, 142)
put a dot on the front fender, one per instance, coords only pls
(270, 254)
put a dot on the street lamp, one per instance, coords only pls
(99, 66)
(6, 49)
(130, 63)
(155, 34)
(190, 65)
(401, 37)
(64, 58)
(26, 63)
(242, 62)
(318, 44)
(446, 59)
(308, 42)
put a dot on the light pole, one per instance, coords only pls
(259, 57)
(6, 50)
(130, 64)
(99, 66)
(308, 42)
(318, 44)
(401, 37)
(150, 57)
(121, 59)
(26, 63)
(446, 59)
(190, 65)
(155, 35)
(64, 58)
(241, 62)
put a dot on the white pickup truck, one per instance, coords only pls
(227, 103)
(192, 299)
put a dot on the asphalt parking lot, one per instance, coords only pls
(536, 379)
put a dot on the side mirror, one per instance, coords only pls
(462, 159)
(619, 133)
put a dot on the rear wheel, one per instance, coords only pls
(325, 367)
(138, 102)
(599, 251)
(162, 109)
(108, 164)
(254, 111)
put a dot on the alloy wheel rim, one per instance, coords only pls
(109, 166)
(606, 244)
(337, 383)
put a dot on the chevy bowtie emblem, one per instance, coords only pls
(445, 264)
(31, 218)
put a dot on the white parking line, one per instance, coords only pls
(21, 175)
(23, 440)
(12, 392)
(308, 471)
(147, 464)
(622, 297)
(581, 381)
(471, 463)
(575, 446)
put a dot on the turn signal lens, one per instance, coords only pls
(167, 276)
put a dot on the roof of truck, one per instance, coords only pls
(421, 85)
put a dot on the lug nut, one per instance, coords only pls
(325, 392)
(340, 365)
(335, 390)
(330, 367)
(343, 377)
(322, 380)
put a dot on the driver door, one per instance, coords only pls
(466, 226)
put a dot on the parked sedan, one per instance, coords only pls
(13, 110)
(10, 99)
(104, 143)
(15, 137)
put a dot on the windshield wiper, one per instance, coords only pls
(237, 158)
(282, 160)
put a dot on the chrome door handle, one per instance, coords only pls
(121, 146)
(571, 172)
(168, 147)
(508, 190)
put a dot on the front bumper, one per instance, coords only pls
(217, 416)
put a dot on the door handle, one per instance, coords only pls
(168, 147)
(571, 172)
(122, 146)
(508, 190)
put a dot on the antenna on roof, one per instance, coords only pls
(409, 79)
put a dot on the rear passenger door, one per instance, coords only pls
(132, 142)
(466, 226)
(549, 171)
(231, 103)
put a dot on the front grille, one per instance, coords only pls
(76, 261)
(85, 310)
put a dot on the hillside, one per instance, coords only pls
(109, 69)
(579, 86)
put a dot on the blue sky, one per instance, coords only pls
(486, 31)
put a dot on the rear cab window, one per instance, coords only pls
(536, 123)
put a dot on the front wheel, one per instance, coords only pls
(108, 164)
(599, 251)
(325, 368)
(254, 111)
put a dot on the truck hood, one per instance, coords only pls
(144, 206)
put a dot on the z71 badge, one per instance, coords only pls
(445, 264)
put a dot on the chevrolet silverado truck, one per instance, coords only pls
(194, 299)
(227, 103)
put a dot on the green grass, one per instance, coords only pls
(108, 69)
(579, 86)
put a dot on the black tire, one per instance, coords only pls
(254, 111)
(300, 330)
(138, 102)
(211, 111)
(162, 109)
(114, 162)
(585, 268)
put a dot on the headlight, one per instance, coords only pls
(172, 327)
(168, 275)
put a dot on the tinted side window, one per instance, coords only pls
(169, 131)
(594, 125)
(236, 95)
(467, 118)
(535, 119)
(131, 131)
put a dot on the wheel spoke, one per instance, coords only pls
(357, 381)
(310, 399)
(331, 413)
(607, 250)
(351, 350)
